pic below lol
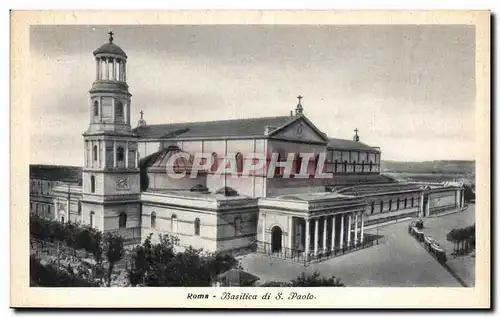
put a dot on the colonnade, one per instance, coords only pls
(110, 68)
(349, 222)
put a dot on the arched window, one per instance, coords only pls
(215, 162)
(237, 226)
(92, 184)
(397, 204)
(91, 219)
(354, 166)
(120, 156)
(345, 166)
(239, 162)
(79, 207)
(381, 206)
(371, 166)
(118, 110)
(94, 153)
(62, 219)
(335, 165)
(298, 164)
(390, 205)
(412, 201)
(122, 221)
(362, 166)
(96, 108)
(372, 208)
(153, 220)
(173, 225)
(197, 227)
(406, 202)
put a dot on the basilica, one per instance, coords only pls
(124, 186)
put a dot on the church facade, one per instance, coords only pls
(125, 186)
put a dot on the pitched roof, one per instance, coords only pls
(349, 145)
(56, 173)
(251, 127)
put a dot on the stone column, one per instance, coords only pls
(308, 238)
(106, 76)
(98, 154)
(316, 235)
(325, 231)
(362, 228)
(91, 154)
(349, 230)
(290, 232)
(104, 153)
(136, 158)
(126, 154)
(100, 109)
(263, 238)
(356, 228)
(341, 231)
(333, 233)
(463, 197)
(97, 75)
(114, 153)
(422, 212)
(124, 71)
(114, 69)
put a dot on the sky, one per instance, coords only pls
(409, 89)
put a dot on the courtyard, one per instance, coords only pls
(397, 261)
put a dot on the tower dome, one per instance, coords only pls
(111, 68)
(110, 48)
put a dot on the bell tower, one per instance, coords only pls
(111, 185)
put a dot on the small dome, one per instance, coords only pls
(110, 48)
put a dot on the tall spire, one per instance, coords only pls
(299, 109)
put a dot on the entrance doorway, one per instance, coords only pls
(276, 234)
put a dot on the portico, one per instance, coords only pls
(316, 223)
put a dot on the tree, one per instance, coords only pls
(469, 194)
(307, 280)
(160, 265)
(464, 239)
(49, 275)
(114, 250)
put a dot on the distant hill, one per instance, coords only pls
(437, 166)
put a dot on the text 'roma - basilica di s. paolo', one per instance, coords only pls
(124, 186)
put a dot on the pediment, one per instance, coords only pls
(300, 129)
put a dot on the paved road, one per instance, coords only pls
(398, 261)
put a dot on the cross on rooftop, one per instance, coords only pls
(110, 36)
(356, 131)
(299, 98)
(142, 113)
